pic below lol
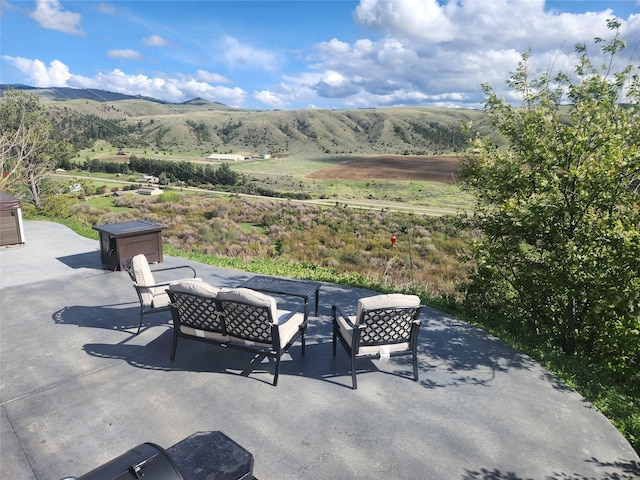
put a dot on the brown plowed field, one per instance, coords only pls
(443, 169)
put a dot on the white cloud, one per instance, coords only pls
(169, 89)
(154, 41)
(127, 54)
(50, 14)
(210, 77)
(271, 99)
(178, 89)
(417, 18)
(520, 24)
(292, 91)
(423, 52)
(39, 75)
(335, 45)
(104, 8)
(237, 54)
(440, 54)
(630, 30)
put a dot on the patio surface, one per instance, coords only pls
(78, 388)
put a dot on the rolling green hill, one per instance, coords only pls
(83, 116)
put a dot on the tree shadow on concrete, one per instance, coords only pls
(467, 354)
(495, 474)
(556, 382)
(617, 470)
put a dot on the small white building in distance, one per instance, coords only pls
(149, 179)
(149, 191)
(227, 157)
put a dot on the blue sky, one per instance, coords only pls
(300, 54)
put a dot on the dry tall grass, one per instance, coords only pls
(430, 252)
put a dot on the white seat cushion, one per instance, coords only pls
(347, 333)
(219, 337)
(160, 299)
(288, 325)
(345, 329)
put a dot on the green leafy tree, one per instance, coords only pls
(225, 176)
(163, 178)
(27, 153)
(558, 254)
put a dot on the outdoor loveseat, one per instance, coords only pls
(237, 318)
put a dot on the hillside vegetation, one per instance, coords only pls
(430, 253)
(84, 116)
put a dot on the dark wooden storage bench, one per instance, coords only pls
(126, 239)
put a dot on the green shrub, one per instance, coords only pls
(168, 197)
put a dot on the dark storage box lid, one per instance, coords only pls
(8, 202)
(133, 226)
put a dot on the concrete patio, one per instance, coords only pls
(79, 388)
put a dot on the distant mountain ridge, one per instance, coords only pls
(83, 116)
(68, 93)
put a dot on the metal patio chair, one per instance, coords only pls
(384, 326)
(153, 296)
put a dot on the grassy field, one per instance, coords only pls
(294, 165)
(292, 176)
(106, 203)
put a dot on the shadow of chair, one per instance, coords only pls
(152, 296)
(115, 316)
(384, 326)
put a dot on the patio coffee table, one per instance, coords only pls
(285, 286)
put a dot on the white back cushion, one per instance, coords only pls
(143, 276)
(251, 297)
(385, 301)
(195, 287)
(142, 271)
